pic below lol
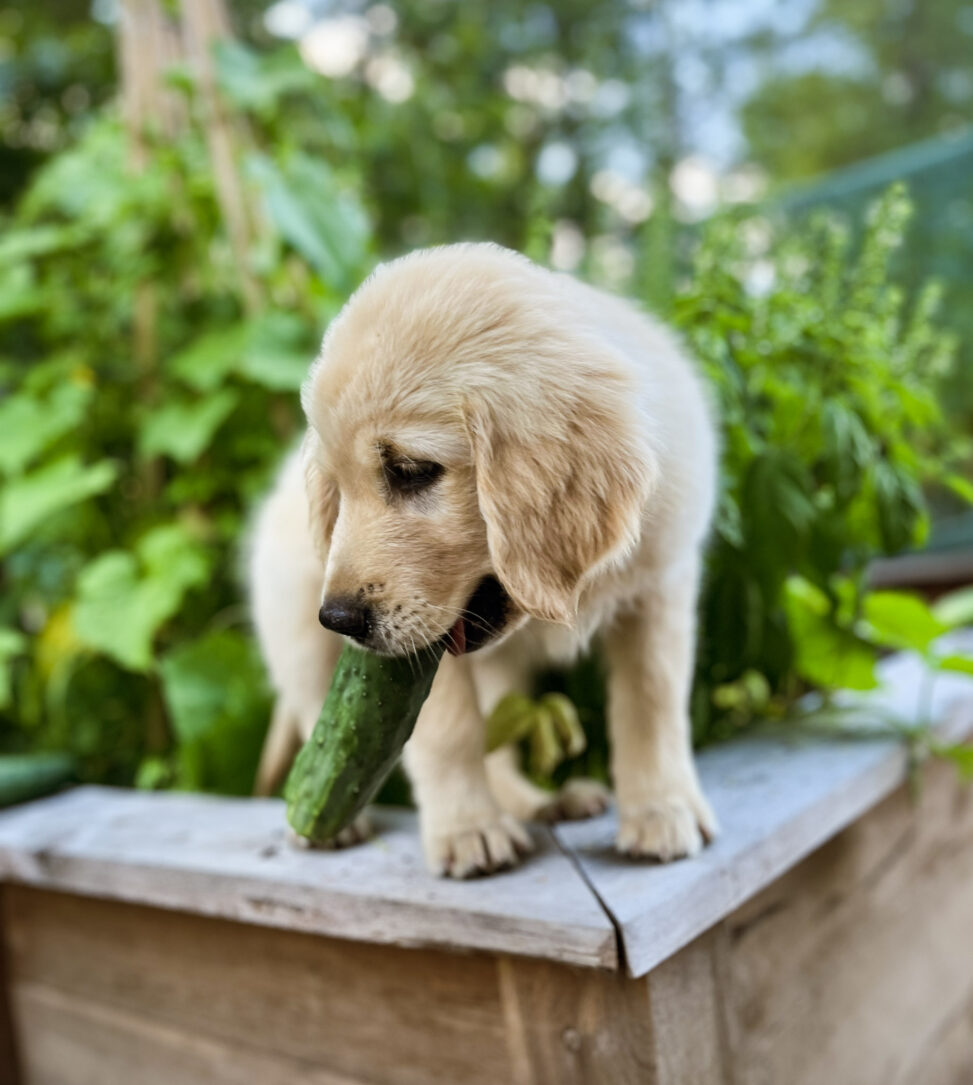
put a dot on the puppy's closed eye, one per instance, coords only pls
(405, 476)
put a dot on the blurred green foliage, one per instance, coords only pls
(126, 481)
(827, 390)
(56, 65)
(890, 97)
(901, 74)
(938, 243)
(144, 407)
(457, 149)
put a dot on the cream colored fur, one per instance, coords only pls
(580, 468)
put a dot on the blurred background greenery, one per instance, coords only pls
(188, 192)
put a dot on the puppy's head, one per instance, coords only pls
(472, 457)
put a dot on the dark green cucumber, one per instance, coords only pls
(371, 708)
(31, 775)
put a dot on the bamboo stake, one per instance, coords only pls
(205, 22)
(148, 45)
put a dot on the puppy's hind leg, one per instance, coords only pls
(574, 800)
(279, 750)
(506, 671)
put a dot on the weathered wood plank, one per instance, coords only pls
(687, 1017)
(72, 1042)
(573, 1027)
(948, 1058)
(230, 858)
(104, 973)
(385, 1014)
(777, 800)
(9, 1062)
(855, 966)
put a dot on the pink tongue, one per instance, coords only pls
(456, 643)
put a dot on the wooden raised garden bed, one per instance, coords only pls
(827, 936)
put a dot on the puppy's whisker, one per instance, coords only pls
(428, 632)
(476, 623)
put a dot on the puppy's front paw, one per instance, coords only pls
(666, 829)
(357, 832)
(496, 844)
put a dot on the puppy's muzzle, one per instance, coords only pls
(347, 616)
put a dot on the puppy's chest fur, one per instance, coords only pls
(605, 598)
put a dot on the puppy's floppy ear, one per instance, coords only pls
(322, 495)
(562, 486)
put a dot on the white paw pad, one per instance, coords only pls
(665, 830)
(464, 853)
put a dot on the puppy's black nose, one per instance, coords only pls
(346, 616)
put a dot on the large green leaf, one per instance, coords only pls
(26, 502)
(206, 680)
(29, 425)
(829, 656)
(848, 448)
(184, 431)
(12, 644)
(123, 597)
(217, 707)
(19, 294)
(777, 508)
(273, 350)
(172, 553)
(257, 81)
(955, 608)
(326, 225)
(209, 360)
(277, 355)
(900, 620)
(961, 756)
(116, 613)
(19, 245)
(958, 664)
(899, 505)
(92, 184)
(960, 486)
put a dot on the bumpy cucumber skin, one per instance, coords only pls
(370, 711)
(31, 776)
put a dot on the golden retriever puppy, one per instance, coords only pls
(513, 460)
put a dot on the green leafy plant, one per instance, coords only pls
(826, 386)
(901, 621)
(146, 399)
(884, 621)
(551, 724)
(144, 405)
